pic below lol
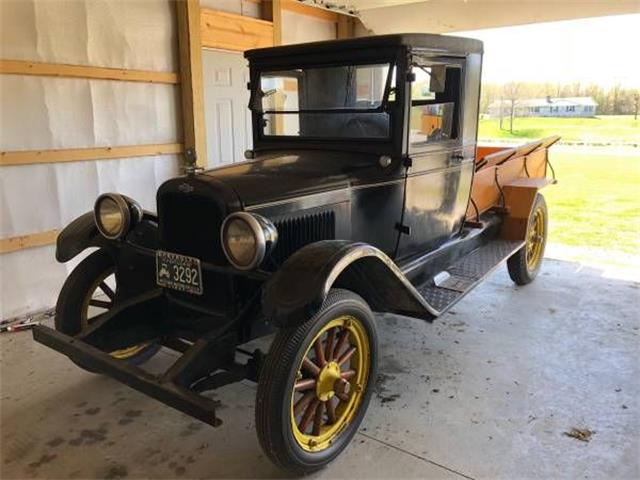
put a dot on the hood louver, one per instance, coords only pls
(296, 232)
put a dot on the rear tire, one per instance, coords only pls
(73, 303)
(524, 265)
(341, 391)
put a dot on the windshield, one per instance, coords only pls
(346, 101)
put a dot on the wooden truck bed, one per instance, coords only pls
(507, 179)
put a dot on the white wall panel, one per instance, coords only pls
(135, 34)
(37, 198)
(298, 28)
(58, 113)
(46, 112)
(239, 7)
(29, 280)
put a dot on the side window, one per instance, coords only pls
(435, 104)
(280, 93)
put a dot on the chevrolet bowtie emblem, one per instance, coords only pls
(185, 188)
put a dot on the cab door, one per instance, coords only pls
(439, 179)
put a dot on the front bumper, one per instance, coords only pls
(163, 388)
(207, 344)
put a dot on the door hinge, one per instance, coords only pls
(403, 229)
(407, 161)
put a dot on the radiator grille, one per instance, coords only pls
(294, 233)
(190, 225)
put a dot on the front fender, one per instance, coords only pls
(83, 233)
(80, 234)
(297, 291)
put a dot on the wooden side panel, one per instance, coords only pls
(485, 191)
(519, 200)
(484, 150)
(228, 31)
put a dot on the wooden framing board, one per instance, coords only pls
(13, 244)
(272, 11)
(20, 67)
(296, 7)
(346, 27)
(28, 157)
(190, 50)
(229, 31)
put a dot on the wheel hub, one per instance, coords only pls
(327, 379)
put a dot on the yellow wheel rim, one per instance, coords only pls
(330, 383)
(105, 302)
(535, 239)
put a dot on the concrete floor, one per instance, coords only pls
(487, 391)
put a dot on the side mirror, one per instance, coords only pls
(437, 79)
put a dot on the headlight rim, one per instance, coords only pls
(263, 231)
(124, 209)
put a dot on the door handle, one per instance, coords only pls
(457, 157)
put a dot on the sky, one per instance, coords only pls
(603, 50)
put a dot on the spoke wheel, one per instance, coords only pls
(525, 264)
(99, 299)
(316, 384)
(535, 239)
(330, 383)
(89, 292)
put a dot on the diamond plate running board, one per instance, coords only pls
(466, 273)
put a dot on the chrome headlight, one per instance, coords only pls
(115, 215)
(247, 238)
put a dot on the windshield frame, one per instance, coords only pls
(396, 57)
(255, 103)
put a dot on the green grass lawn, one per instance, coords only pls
(611, 128)
(596, 202)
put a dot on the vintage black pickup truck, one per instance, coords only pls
(364, 192)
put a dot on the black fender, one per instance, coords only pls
(83, 233)
(80, 234)
(298, 289)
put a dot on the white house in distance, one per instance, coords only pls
(546, 107)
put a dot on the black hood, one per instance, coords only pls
(292, 174)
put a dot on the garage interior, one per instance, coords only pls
(103, 96)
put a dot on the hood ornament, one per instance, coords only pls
(190, 167)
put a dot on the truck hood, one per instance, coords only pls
(288, 175)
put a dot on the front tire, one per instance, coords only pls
(524, 265)
(88, 292)
(316, 384)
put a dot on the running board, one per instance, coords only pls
(448, 287)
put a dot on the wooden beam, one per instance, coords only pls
(276, 18)
(346, 26)
(28, 157)
(19, 67)
(13, 244)
(229, 31)
(190, 51)
(296, 7)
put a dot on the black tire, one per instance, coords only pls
(520, 270)
(71, 301)
(275, 388)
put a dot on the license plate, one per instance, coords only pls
(178, 272)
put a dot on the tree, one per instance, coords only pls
(512, 92)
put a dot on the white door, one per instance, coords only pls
(226, 100)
